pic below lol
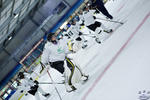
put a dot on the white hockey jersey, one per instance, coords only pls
(81, 17)
(88, 17)
(74, 30)
(55, 52)
(26, 83)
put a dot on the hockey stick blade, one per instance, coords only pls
(110, 21)
(51, 83)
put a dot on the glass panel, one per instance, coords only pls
(14, 84)
(41, 46)
(36, 53)
(9, 91)
(5, 96)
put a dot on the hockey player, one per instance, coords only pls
(100, 6)
(90, 20)
(92, 24)
(31, 86)
(81, 18)
(75, 32)
(55, 53)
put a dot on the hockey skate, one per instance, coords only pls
(47, 95)
(73, 88)
(84, 46)
(70, 88)
(84, 78)
(86, 41)
(108, 31)
(97, 40)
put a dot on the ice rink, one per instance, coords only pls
(119, 67)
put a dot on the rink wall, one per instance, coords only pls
(10, 75)
(53, 29)
(66, 15)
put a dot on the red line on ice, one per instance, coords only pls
(115, 57)
(120, 8)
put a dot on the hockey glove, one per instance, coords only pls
(94, 17)
(80, 33)
(36, 82)
(21, 91)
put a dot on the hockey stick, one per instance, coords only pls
(109, 20)
(52, 81)
(90, 35)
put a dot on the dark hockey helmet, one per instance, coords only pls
(21, 75)
(49, 36)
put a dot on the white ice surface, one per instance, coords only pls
(119, 67)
